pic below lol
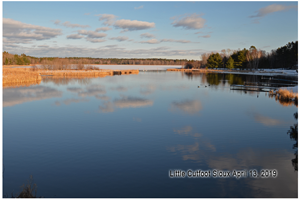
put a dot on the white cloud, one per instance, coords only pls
(147, 35)
(91, 34)
(108, 19)
(104, 29)
(151, 41)
(43, 46)
(56, 22)
(272, 8)
(95, 40)
(131, 25)
(198, 32)
(105, 51)
(177, 41)
(69, 25)
(193, 21)
(74, 36)
(119, 38)
(18, 32)
(155, 41)
(205, 36)
(140, 7)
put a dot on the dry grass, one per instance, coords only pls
(285, 97)
(19, 77)
(29, 76)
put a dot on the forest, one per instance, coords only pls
(252, 58)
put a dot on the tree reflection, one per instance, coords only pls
(293, 132)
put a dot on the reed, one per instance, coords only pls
(29, 76)
(20, 76)
(285, 97)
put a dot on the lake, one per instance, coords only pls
(125, 136)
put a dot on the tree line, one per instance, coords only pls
(252, 58)
(10, 59)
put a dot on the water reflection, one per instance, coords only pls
(14, 96)
(132, 102)
(147, 90)
(119, 88)
(70, 101)
(90, 90)
(187, 106)
(65, 81)
(107, 107)
(158, 128)
(267, 121)
(285, 102)
(293, 132)
(187, 130)
(205, 153)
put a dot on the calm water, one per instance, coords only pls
(120, 136)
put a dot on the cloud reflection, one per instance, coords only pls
(187, 106)
(70, 101)
(147, 90)
(133, 102)
(119, 88)
(14, 96)
(107, 108)
(187, 130)
(267, 121)
(93, 90)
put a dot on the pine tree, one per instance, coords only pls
(230, 63)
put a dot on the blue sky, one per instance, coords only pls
(175, 30)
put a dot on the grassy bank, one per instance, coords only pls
(13, 77)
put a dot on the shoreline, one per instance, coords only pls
(270, 72)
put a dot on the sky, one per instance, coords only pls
(142, 29)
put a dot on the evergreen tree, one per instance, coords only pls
(214, 61)
(240, 61)
(230, 63)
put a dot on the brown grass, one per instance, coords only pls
(20, 76)
(29, 76)
(285, 97)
